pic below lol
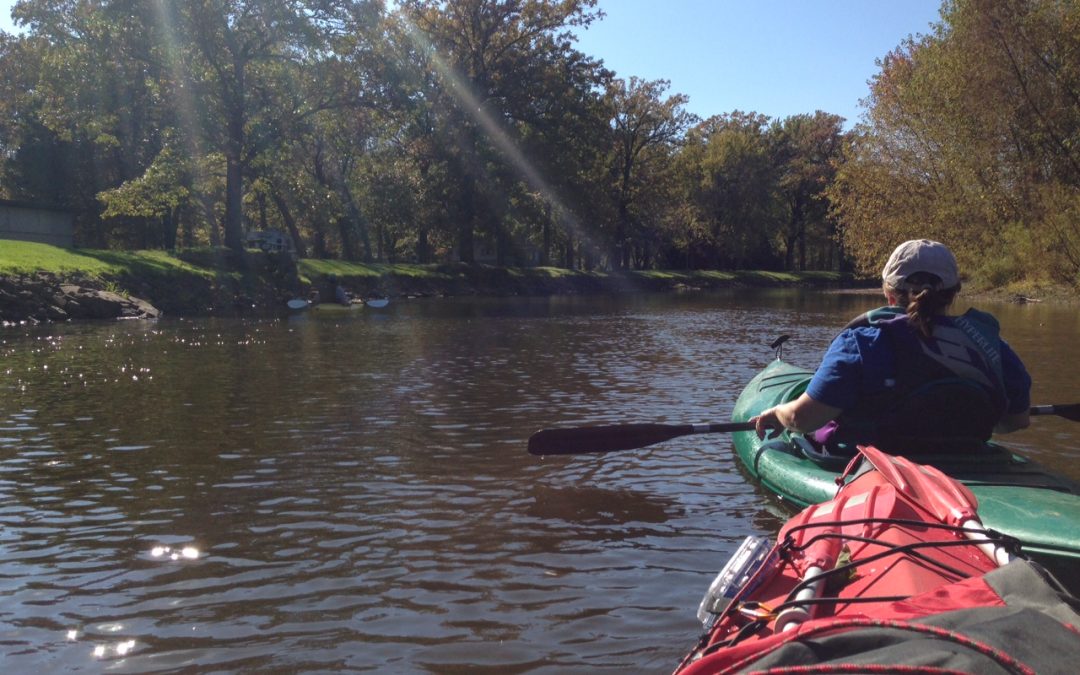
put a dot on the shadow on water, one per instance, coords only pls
(594, 505)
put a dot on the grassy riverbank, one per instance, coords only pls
(216, 281)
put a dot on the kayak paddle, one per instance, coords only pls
(615, 437)
(619, 436)
(1070, 411)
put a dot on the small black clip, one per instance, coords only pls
(778, 345)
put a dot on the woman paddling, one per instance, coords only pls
(909, 377)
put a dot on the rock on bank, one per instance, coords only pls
(43, 297)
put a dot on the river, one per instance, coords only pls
(349, 491)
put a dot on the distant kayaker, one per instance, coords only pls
(341, 295)
(910, 377)
(337, 291)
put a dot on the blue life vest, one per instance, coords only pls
(945, 393)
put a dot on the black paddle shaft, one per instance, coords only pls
(1070, 411)
(581, 440)
(615, 437)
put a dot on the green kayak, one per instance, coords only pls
(1017, 496)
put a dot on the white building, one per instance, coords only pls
(34, 222)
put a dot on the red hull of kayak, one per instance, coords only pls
(894, 553)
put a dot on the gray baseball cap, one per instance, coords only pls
(920, 255)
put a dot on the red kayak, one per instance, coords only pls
(896, 572)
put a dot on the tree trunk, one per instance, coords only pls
(466, 215)
(290, 223)
(357, 218)
(502, 241)
(171, 224)
(211, 219)
(234, 230)
(262, 211)
(545, 257)
(423, 246)
(621, 255)
(318, 245)
(187, 230)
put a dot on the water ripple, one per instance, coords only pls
(353, 494)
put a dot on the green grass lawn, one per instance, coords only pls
(312, 267)
(25, 257)
(21, 257)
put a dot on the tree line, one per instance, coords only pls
(431, 130)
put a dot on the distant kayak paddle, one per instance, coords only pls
(616, 437)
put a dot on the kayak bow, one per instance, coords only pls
(851, 584)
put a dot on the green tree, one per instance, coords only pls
(646, 129)
(157, 196)
(808, 149)
(243, 58)
(731, 165)
(493, 61)
(100, 86)
(972, 138)
(88, 114)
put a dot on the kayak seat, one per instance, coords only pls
(834, 457)
(800, 446)
(979, 456)
(779, 445)
(774, 445)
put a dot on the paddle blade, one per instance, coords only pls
(603, 439)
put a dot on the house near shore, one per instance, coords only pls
(25, 221)
(524, 254)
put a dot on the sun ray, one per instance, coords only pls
(183, 98)
(462, 90)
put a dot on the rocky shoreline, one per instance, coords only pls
(39, 298)
(257, 284)
(264, 285)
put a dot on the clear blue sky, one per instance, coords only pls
(5, 15)
(775, 57)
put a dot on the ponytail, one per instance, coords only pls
(923, 301)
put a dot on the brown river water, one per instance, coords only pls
(350, 491)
